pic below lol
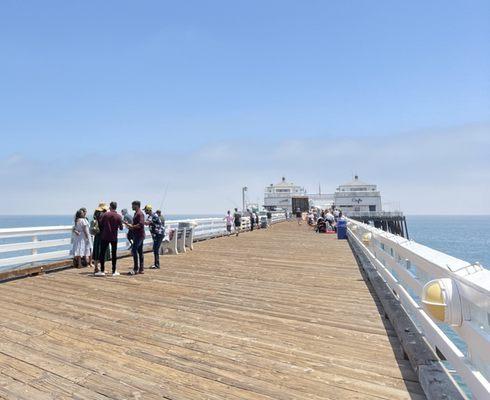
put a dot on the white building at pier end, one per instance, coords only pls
(357, 196)
(285, 195)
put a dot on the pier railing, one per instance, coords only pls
(448, 299)
(24, 247)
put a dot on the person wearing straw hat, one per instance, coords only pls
(96, 232)
(157, 233)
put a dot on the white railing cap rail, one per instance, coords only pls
(446, 264)
(32, 231)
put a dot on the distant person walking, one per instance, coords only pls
(229, 222)
(110, 224)
(82, 243)
(237, 219)
(157, 233)
(252, 219)
(299, 215)
(269, 218)
(138, 229)
(128, 219)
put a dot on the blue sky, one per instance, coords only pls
(212, 87)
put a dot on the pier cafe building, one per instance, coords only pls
(357, 196)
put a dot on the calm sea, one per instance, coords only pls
(464, 237)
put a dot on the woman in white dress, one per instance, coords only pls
(82, 241)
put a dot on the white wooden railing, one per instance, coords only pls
(407, 267)
(22, 247)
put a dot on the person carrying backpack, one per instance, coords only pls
(237, 217)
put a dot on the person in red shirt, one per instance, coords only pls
(138, 230)
(110, 223)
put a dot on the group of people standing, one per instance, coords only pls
(235, 220)
(92, 241)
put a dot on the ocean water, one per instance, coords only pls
(464, 237)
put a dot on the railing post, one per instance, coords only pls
(34, 250)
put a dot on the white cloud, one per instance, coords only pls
(432, 171)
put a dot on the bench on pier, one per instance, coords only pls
(169, 244)
(178, 240)
(189, 238)
(181, 240)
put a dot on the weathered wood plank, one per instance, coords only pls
(279, 313)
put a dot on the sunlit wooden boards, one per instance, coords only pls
(282, 313)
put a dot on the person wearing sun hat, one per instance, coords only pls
(96, 232)
(157, 233)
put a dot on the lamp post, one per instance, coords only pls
(244, 189)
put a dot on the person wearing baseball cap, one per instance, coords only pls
(157, 233)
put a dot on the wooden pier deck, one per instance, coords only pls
(281, 313)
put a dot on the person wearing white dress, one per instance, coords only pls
(82, 241)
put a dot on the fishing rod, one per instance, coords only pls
(232, 201)
(164, 196)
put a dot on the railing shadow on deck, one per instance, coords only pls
(427, 368)
(409, 376)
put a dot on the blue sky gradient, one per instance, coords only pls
(101, 82)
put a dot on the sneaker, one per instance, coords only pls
(131, 273)
(99, 273)
(141, 272)
(116, 273)
(154, 267)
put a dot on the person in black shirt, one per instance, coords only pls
(237, 217)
